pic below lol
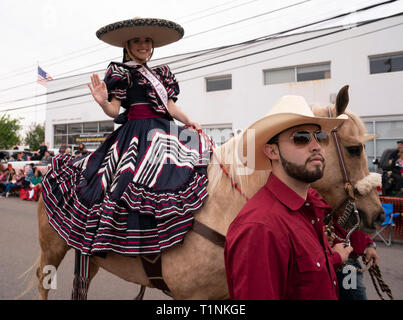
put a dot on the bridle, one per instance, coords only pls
(349, 200)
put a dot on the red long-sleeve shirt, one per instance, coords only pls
(276, 248)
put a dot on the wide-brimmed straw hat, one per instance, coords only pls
(289, 111)
(161, 31)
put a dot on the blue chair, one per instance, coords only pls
(387, 224)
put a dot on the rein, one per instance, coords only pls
(211, 147)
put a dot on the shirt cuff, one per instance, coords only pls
(337, 262)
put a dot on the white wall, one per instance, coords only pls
(249, 99)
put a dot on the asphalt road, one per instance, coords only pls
(20, 248)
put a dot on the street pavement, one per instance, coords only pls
(19, 249)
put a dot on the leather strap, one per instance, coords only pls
(208, 233)
(153, 269)
(152, 263)
(347, 184)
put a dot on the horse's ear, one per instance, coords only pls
(342, 100)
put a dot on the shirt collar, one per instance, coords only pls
(284, 193)
(290, 198)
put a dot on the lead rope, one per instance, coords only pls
(374, 270)
(376, 278)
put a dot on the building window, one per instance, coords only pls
(89, 127)
(297, 73)
(92, 134)
(279, 76)
(386, 63)
(388, 132)
(219, 83)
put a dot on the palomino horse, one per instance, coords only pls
(195, 269)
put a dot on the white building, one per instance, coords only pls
(226, 89)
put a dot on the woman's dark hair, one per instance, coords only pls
(39, 172)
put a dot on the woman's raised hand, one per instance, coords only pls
(194, 125)
(98, 89)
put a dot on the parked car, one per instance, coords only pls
(6, 154)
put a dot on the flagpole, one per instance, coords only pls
(36, 92)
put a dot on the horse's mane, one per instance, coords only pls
(226, 155)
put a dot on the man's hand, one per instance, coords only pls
(343, 250)
(370, 253)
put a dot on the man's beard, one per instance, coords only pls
(300, 172)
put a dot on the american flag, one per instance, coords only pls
(43, 77)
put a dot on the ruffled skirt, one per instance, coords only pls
(134, 195)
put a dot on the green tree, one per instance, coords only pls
(35, 136)
(9, 132)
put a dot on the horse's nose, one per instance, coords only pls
(380, 217)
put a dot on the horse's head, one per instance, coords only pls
(352, 136)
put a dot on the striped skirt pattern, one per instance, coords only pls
(134, 195)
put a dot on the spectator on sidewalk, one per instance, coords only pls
(81, 150)
(35, 185)
(4, 178)
(47, 157)
(16, 182)
(42, 150)
(29, 175)
(62, 148)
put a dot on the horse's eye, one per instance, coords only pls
(355, 150)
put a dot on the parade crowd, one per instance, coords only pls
(26, 182)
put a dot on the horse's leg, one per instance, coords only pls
(93, 271)
(53, 248)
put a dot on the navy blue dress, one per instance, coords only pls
(137, 192)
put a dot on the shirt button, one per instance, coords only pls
(334, 282)
(313, 221)
(318, 264)
(307, 204)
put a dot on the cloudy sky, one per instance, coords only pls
(60, 35)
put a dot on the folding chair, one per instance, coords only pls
(388, 224)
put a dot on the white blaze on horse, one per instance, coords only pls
(195, 269)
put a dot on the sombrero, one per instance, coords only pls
(289, 111)
(162, 31)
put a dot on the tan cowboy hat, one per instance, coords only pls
(162, 31)
(289, 111)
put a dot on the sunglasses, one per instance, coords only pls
(303, 137)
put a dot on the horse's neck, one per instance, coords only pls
(225, 202)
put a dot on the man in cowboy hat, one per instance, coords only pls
(276, 247)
